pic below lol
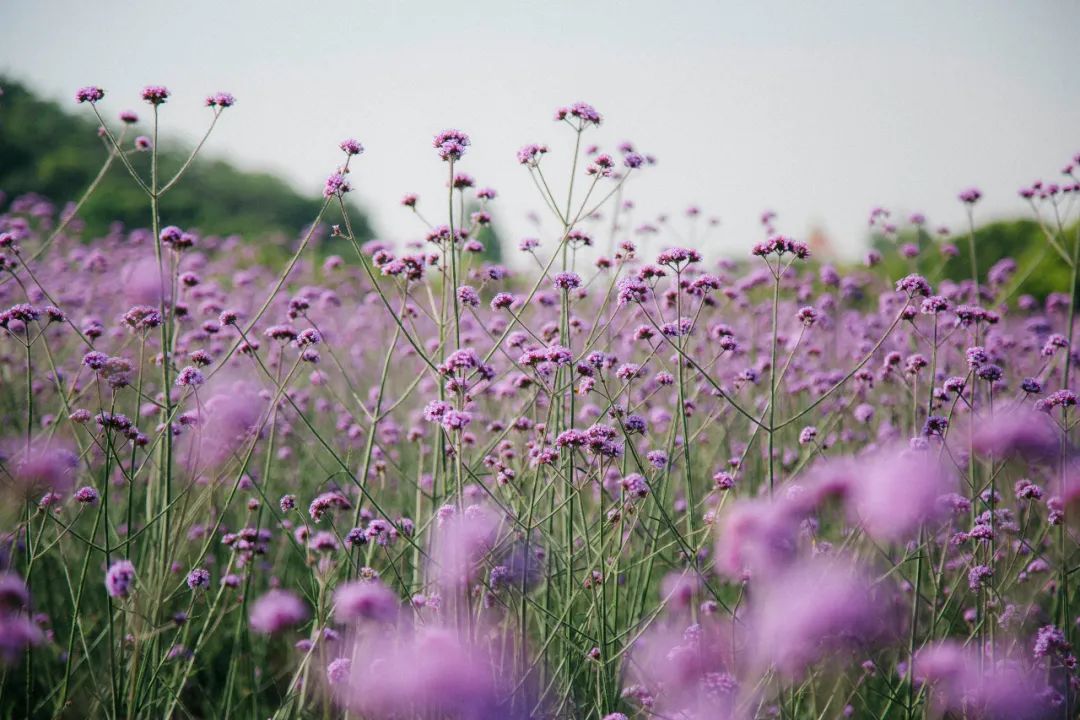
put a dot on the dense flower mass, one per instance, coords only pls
(616, 476)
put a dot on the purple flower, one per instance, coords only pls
(531, 154)
(90, 94)
(220, 100)
(970, 196)
(355, 537)
(632, 290)
(86, 495)
(17, 633)
(913, 285)
(891, 492)
(583, 112)
(978, 576)
(276, 611)
(381, 532)
(1024, 433)
(677, 256)
(430, 672)
(635, 486)
(338, 670)
(336, 185)
(190, 376)
(324, 541)
(365, 600)
(723, 480)
(567, 281)
(198, 579)
(95, 360)
(935, 425)
(807, 316)
(502, 301)
(864, 412)
(964, 682)
(13, 593)
(325, 503)
(308, 337)
(657, 458)
(351, 147)
(1049, 642)
(468, 296)
(780, 245)
(815, 608)
(155, 94)
(934, 305)
(451, 144)
(120, 578)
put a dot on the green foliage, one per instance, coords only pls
(1038, 265)
(46, 150)
(489, 237)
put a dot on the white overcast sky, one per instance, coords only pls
(819, 110)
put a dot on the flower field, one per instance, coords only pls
(618, 476)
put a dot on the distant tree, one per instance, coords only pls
(489, 236)
(1021, 240)
(47, 150)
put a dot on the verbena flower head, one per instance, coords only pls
(338, 670)
(198, 579)
(228, 417)
(351, 147)
(567, 281)
(970, 196)
(897, 489)
(336, 185)
(913, 285)
(90, 94)
(584, 113)
(959, 682)
(220, 100)
(326, 502)
(813, 609)
(120, 578)
(364, 600)
(1021, 433)
(677, 257)
(451, 144)
(431, 671)
(780, 245)
(468, 296)
(13, 593)
(155, 94)
(190, 376)
(41, 467)
(86, 496)
(632, 290)
(277, 611)
(531, 154)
